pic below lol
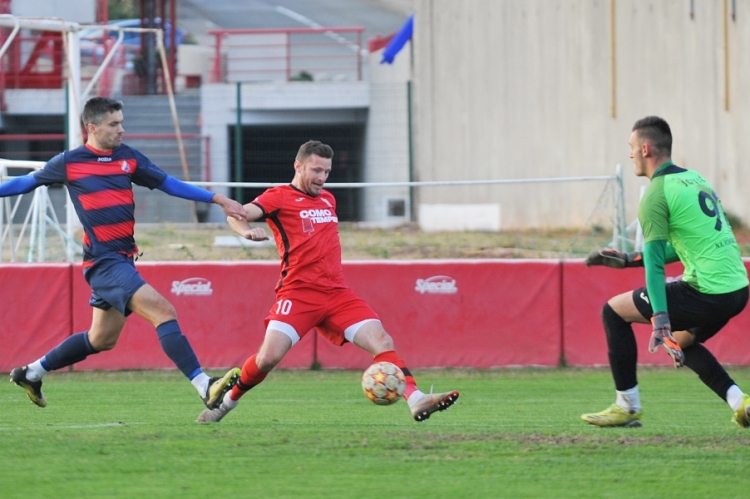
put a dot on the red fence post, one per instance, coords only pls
(216, 66)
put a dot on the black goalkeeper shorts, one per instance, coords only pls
(690, 310)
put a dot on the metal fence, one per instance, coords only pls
(304, 54)
(35, 218)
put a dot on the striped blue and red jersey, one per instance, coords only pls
(100, 186)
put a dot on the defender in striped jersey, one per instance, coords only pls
(311, 292)
(99, 177)
(682, 220)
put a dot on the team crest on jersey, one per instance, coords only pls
(125, 166)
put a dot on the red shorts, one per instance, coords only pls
(330, 312)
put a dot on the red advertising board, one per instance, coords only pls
(34, 310)
(220, 307)
(476, 313)
(441, 313)
(587, 289)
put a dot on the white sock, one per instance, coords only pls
(630, 399)
(35, 371)
(734, 397)
(414, 397)
(228, 402)
(200, 383)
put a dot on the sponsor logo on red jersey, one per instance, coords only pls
(318, 216)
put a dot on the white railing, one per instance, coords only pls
(27, 240)
(41, 218)
(620, 231)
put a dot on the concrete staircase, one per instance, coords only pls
(151, 114)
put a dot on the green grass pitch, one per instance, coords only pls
(307, 434)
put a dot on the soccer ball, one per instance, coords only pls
(383, 383)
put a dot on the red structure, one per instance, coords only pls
(441, 313)
(38, 61)
(29, 73)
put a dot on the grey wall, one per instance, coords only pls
(80, 11)
(546, 88)
(387, 147)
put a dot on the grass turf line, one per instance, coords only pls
(513, 433)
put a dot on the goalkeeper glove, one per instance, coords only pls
(662, 335)
(614, 259)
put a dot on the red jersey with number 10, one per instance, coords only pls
(306, 231)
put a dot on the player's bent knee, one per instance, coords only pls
(384, 342)
(373, 338)
(102, 344)
(275, 345)
(366, 328)
(266, 361)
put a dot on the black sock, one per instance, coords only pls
(708, 369)
(73, 349)
(623, 351)
(177, 348)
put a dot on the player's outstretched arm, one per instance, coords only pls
(19, 185)
(180, 189)
(232, 209)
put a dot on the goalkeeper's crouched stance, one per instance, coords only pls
(681, 344)
(682, 220)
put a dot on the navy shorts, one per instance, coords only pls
(690, 310)
(113, 282)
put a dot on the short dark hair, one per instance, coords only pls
(314, 147)
(656, 130)
(97, 108)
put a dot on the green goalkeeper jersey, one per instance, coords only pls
(680, 209)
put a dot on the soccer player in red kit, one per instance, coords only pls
(311, 292)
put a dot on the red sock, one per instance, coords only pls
(249, 377)
(392, 357)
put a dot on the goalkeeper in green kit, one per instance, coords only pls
(682, 219)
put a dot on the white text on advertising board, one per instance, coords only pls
(195, 286)
(439, 284)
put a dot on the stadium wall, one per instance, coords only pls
(442, 313)
(551, 88)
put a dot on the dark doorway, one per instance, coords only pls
(268, 153)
